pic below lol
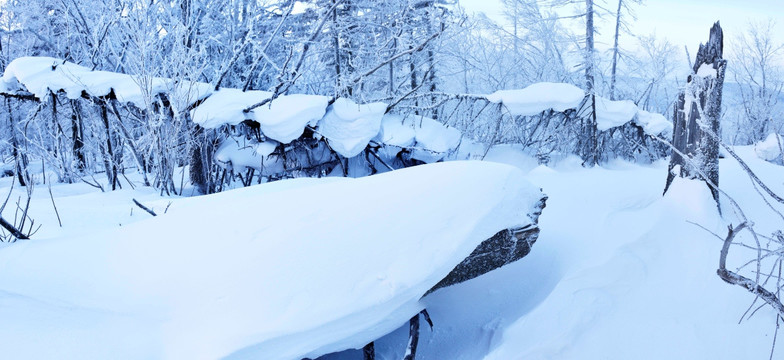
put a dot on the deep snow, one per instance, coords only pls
(617, 273)
(284, 270)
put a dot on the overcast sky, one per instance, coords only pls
(682, 22)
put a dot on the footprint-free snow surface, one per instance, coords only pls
(618, 272)
(285, 270)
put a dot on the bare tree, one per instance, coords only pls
(761, 81)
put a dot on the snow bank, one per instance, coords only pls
(770, 148)
(539, 97)
(349, 127)
(285, 270)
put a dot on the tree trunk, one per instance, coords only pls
(615, 50)
(369, 351)
(20, 159)
(109, 158)
(336, 49)
(696, 132)
(77, 135)
(589, 49)
(589, 128)
(505, 247)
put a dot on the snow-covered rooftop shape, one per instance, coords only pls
(262, 276)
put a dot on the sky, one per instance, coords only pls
(682, 22)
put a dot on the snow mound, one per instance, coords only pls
(283, 119)
(254, 272)
(770, 149)
(653, 123)
(349, 126)
(539, 97)
(429, 140)
(233, 154)
(610, 113)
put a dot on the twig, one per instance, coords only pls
(54, 206)
(737, 279)
(145, 208)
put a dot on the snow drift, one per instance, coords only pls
(285, 270)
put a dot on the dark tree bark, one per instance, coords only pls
(13, 230)
(503, 248)
(589, 141)
(696, 130)
(109, 159)
(20, 158)
(413, 338)
(615, 50)
(198, 172)
(77, 134)
(369, 351)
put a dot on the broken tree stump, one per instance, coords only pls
(696, 130)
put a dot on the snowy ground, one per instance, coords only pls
(618, 272)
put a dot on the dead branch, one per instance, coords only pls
(13, 230)
(744, 282)
(144, 208)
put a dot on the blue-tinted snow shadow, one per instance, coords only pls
(469, 318)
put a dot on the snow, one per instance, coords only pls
(770, 149)
(653, 123)
(706, 70)
(511, 154)
(42, 75)
(610, 113)
(397, 130)
(283, 119)
(349, 127)
(618, 272)
(236, 154)
(539, 97)
(225, 107)
(428, 139)
(285, 270)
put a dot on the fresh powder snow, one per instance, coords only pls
(285, 270)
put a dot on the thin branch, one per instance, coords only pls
(144, 208)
